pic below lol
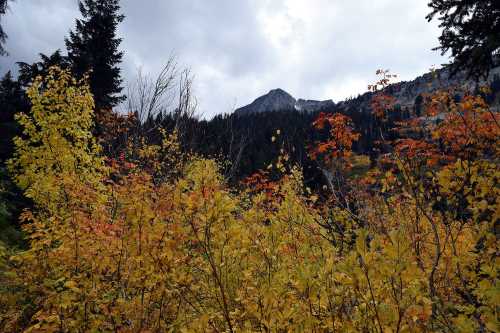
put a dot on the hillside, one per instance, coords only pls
(405, 93)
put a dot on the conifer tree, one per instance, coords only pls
(93, 47)
(471, 31)
(12, 100)
(3, 35)
(29, 72)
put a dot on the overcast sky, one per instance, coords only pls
(241, 49)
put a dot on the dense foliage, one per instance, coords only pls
(367, 216)
(128, 245)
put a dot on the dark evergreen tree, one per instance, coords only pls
(3, 35)
(27, 72)
(419, 101)
(12, 100)
(471, 31)
(93, 48)
(12, 201)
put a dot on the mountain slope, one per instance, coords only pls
(405, 93)
(280, 100)
(274, 100)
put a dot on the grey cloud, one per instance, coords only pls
(239, 50)
(36, 26)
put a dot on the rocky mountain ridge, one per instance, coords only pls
(405, 93)
(280, 100)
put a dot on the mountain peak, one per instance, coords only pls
(280, 100)
(278, 91)
(274, 100)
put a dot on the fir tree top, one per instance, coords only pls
(93, 49)
(471, 31)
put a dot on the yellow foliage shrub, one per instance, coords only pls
(188, 254)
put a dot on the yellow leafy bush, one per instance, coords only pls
(150, 250)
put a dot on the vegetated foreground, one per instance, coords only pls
(156, 241)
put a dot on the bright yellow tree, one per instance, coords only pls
(56, 143)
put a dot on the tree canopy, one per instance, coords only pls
(3, 35)
(471, 32)
(93, 49)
